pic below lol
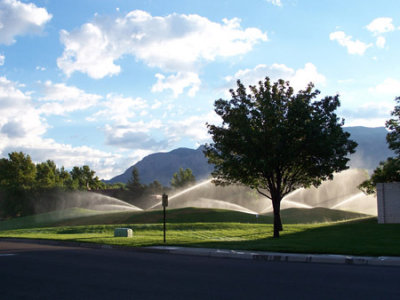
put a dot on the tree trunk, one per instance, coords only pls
(276, 204)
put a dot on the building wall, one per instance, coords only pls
(388, 195)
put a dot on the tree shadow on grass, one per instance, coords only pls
(359, 237)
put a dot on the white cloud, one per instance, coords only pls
(368, 114)
(22, 129)
(120, 109)
(366, 122)
(61, 99)
(381, 25)
(193, 127)
(275, 2)
(135, 140)
(346, 81)
(353, 47)
(380, 42)
(177, 83)
(104, 163)
(135, 135)
(389, 86)
(18, 117)
(174, 43)
(89, 51)
(299, 79)
(308, 74)
(157, 104)
(2, 59)
(18, 18)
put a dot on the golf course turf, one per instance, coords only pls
(316, 230)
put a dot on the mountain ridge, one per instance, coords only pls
(372, 148)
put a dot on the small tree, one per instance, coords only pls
(183, 178)
(276, 141)
(134, 182)
(155, 187)
(134, 185)
(393, 125)
(389, 170)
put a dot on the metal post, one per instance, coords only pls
(165, 229)
(165, 204)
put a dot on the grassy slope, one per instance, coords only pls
(77, 216)
(357, 237)
(46, 219)
(316, 215)
(219, 229)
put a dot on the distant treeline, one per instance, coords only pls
(27, 188)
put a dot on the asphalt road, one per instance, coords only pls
(30, 271)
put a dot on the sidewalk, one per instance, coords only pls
(233, 254)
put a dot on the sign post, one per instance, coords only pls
(164, 204)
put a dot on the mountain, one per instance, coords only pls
(372, 148)
(161, 166)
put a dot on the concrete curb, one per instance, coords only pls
(285, 257)
(232, 254)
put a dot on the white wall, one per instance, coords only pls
(388, 195)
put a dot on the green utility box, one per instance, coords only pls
(123, 232)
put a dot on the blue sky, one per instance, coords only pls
(104, 83)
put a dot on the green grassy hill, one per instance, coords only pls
(316, 215)
(79, 216)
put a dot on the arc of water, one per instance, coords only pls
(184, 191)
(116, 207)
(228, 205)
(190, 189)
(347, 200)
(298, 204)
(266, 209)
(111, 201)
(291, 194)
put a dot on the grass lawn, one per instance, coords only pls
(80, 216)
(220, 229)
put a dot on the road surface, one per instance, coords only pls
(32, 271)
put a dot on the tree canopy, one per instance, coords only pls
(393, 125)
(389, 170)
(26, 187)
(22, 182)
(183, 178)
(83, 178)
(18, 171)
(276, 141)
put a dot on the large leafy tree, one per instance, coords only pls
(17, 180)
(46, 175)
(18, 171)
(276, 141)
(83, 178)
